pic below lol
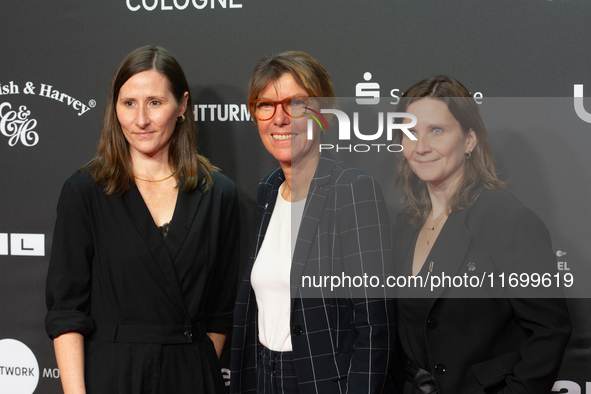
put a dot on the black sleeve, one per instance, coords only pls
(69, 274)
(222, 296)
(528, 247)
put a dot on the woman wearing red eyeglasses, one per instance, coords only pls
(316, 217)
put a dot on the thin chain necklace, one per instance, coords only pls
(157, 180)
(434, 227)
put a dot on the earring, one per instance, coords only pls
(181, 119)
(468, 155)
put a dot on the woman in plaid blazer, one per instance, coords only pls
(290, 338)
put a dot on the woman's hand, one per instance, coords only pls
(218, 339)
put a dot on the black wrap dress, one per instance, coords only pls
(144, 302)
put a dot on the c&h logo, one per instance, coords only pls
(17, 126)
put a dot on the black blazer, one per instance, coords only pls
(488, 345)
(339, 344)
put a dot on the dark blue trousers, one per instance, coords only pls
(276, 373)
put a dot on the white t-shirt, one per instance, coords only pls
(270, 276)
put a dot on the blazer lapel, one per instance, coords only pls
(402, 244)
(264, 216)
(450, 248)
(142, 219)
(246, 301)
(265, 211)
(315, 203)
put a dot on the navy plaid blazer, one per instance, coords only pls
(340, 344)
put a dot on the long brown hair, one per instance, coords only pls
(479, 169)
(112, 166)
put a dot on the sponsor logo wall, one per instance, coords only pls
(59, 59)
(22, 244)
(579, 104)
(19, 370)
(163, 5)
(18, 124)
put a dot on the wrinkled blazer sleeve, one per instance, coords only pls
(528, 248)
(220, 307)
(69, 273)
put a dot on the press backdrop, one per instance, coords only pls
(57, 59)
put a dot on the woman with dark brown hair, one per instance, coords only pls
(462, 222)
(141, 282)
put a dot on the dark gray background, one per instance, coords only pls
(517, 49)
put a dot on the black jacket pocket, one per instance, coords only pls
(492, 372)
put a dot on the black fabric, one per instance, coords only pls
(276, 373)
(110, 267)
(410, 315)
(419, 381)
(164, 229)
(506, 344)
(149, 334)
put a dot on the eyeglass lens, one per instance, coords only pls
(293, 106)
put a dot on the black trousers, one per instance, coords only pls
(276, 373)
